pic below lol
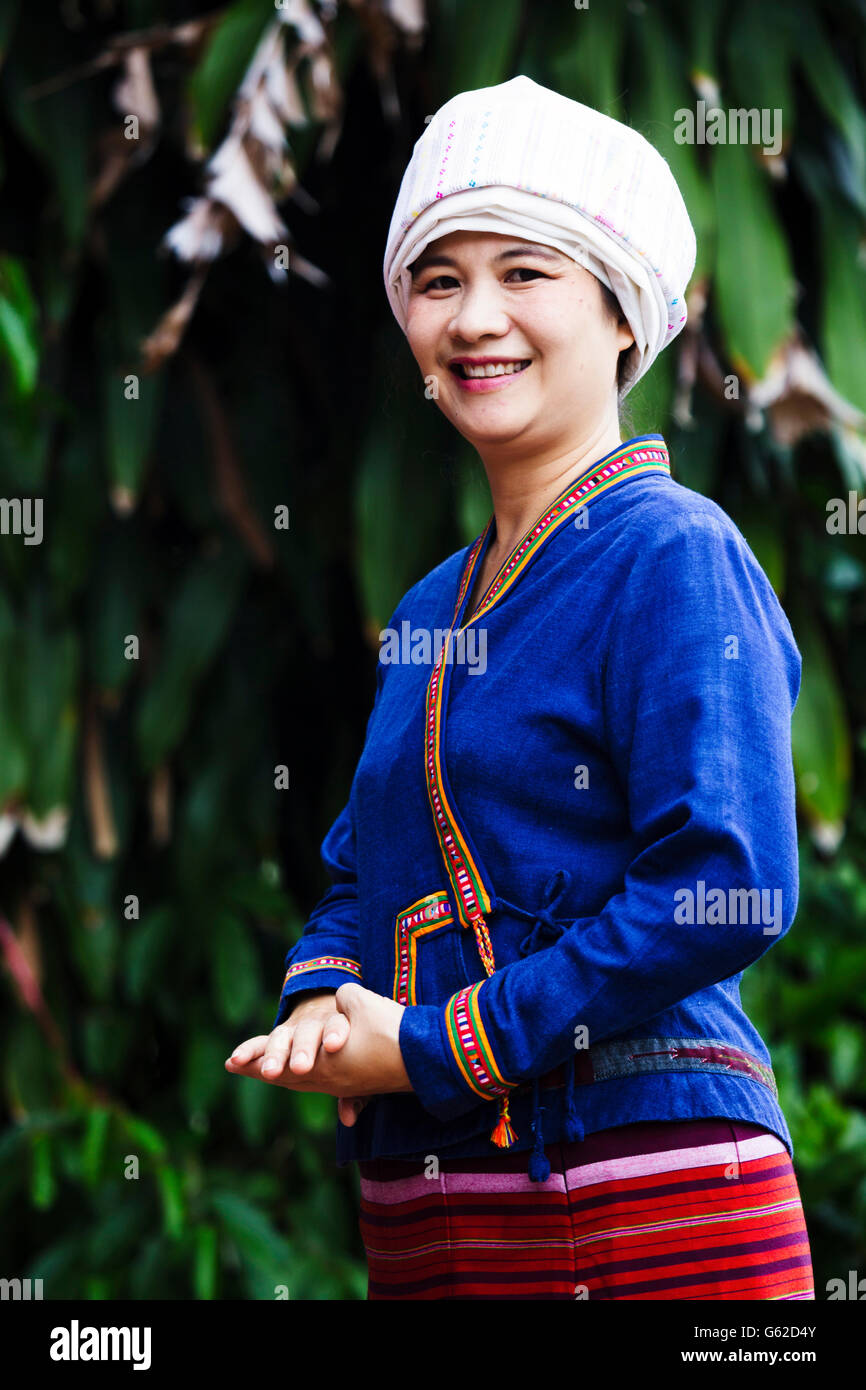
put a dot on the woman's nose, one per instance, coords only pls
(479, 312)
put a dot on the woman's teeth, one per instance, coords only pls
(491, 369)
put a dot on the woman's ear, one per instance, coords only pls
(625, 337)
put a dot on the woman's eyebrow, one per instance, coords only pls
(513, 253)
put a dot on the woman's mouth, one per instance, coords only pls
(493, 376)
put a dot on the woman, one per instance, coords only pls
(572, 824)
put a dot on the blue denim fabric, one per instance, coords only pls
(614, 652)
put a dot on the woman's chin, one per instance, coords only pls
(492, 426)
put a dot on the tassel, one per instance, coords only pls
(539, 1167)
(573, 1123)
(503, 1135)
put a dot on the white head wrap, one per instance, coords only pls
(521, 159)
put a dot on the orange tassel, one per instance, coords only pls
(503, 1135)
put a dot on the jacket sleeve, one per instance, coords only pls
(700, 677)
(328, 953)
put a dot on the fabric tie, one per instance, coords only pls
(545, 930)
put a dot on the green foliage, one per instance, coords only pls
(166, 648)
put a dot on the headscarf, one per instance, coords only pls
(523, 160)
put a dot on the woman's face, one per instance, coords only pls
(483, 295)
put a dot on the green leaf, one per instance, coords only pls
(49, 713)
(843, 264)
(651, 399)
(144, 1135)
(760, 47)
(198, 621)
(131, 410)
(173, 1206)
(761, 529)
(586, 62)
(116, 599)
(13, 745)
(821, 739)
(205, 1267)
(148, 943)
(205, 1075)
(832, 91)
(57, 126)
(395, 547)
(474, 52)
(93, 1145)
(19, 342)
(317, 1112)
(235, 966)
(252, 1232)
(43, 1187)
(754, 285)
(220, 71)
(704, 47)
(259, 1108)
(661, 91)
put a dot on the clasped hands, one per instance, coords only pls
(343, 1044)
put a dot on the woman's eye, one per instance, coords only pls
(437, 281)
(432, 284)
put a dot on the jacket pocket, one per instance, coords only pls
(429, 963)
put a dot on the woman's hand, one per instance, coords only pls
(288, 1049)
(344, 1044)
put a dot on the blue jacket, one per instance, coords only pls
(571, 828)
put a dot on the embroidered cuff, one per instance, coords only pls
(322, 972)
(448, 1055)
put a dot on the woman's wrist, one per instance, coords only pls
(306, 996)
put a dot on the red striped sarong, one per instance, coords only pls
(701, 1209)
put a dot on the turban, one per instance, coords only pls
(523, 160)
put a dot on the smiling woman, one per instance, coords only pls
(519, 259)
(544, 1072)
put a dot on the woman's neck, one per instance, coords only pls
(522, 491)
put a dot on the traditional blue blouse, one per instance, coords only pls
(571, 828)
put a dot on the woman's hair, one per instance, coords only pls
(611, 305)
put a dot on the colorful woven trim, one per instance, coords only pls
(426, 915)
(626, 463)
(352, 967)
(644, 1056)
(464, 875)
(471, 1046)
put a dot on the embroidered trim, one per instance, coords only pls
(352, 967)
(471, 1046)
(470, 894)
(644, 1056)
(625, 464)
(426, 915)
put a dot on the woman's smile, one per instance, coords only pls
(487, 376)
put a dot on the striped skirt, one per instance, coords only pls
(703, 1209)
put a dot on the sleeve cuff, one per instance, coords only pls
(448, 1056)
(322, 972)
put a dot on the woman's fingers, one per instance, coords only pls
(349, 1108)
(304, 1046)
(276, 1051)
(248, 1051)
(335, 1032)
